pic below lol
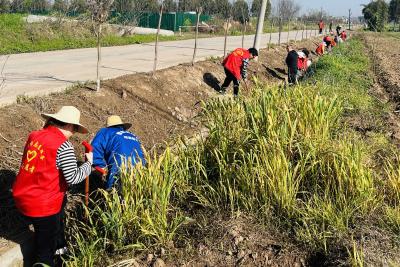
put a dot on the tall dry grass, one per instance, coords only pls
(286, 156)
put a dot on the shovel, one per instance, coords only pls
(88, 148)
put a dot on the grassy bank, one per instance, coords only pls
(17, 36)
(295, 159)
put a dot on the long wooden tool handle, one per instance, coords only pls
(88, 148)
(87, 191)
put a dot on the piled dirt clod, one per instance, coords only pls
(160, 108)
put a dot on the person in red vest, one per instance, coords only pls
(235, 67)
(343, 35)
(320, 49)
(48, 166)
(302, 62)
(321, 26)
(328, 41)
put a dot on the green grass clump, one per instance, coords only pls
(289, 157)
(18, 36)
(138, 216)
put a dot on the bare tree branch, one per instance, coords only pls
(99, 10)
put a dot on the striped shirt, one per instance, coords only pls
(67, 163)
(243, 69)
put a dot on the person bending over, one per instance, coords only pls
(113, 146)
(292, 64)
(235, 67)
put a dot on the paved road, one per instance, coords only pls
(45, 72)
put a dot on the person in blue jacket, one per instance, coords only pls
(114, 145)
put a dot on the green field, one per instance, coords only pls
(17, 36)
(291, 158)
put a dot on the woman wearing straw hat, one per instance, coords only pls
(48, 165)
(114, 145)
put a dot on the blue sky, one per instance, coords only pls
(333, 7)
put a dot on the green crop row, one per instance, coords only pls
(290, 156)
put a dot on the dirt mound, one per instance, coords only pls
(160, 109)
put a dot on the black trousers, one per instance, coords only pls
(230, 78)
(292, 75)
(49, 236)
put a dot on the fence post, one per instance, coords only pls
(288, 33)
(244, 32)
(306, 27)
(270, 34)
(280, 31)
(199, 10)
(228, 21)
(311, 30)
(157, 37)
(302, 33)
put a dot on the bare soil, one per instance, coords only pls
(385, 55)
(160, 108)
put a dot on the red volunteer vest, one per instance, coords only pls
(320, 50)
(233, 62)
(327, 39)
(39, 188)
(302, 63)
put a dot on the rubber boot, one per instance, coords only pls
(222, 91)
(235, 90)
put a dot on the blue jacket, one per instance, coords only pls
(113, 145)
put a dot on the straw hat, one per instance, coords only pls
(70, 115)
(115, 120)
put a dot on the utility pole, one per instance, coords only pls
(349, 19)
(260, 25)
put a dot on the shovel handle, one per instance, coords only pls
(88, 148)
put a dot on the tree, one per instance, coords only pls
(287, 9)
(124, 5)
(170, 6)
(394, 10)
(208, 6)
(183, 5)
(60, 5)
(316, 15)
(77, 6)
(256, 6)
(99, 10)
(4, 6)
(36, 6)
(376, 14)
(198, 13)
(223, 8)
(160, 14)
(149, 5)
(240, 11)
(17, 6)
